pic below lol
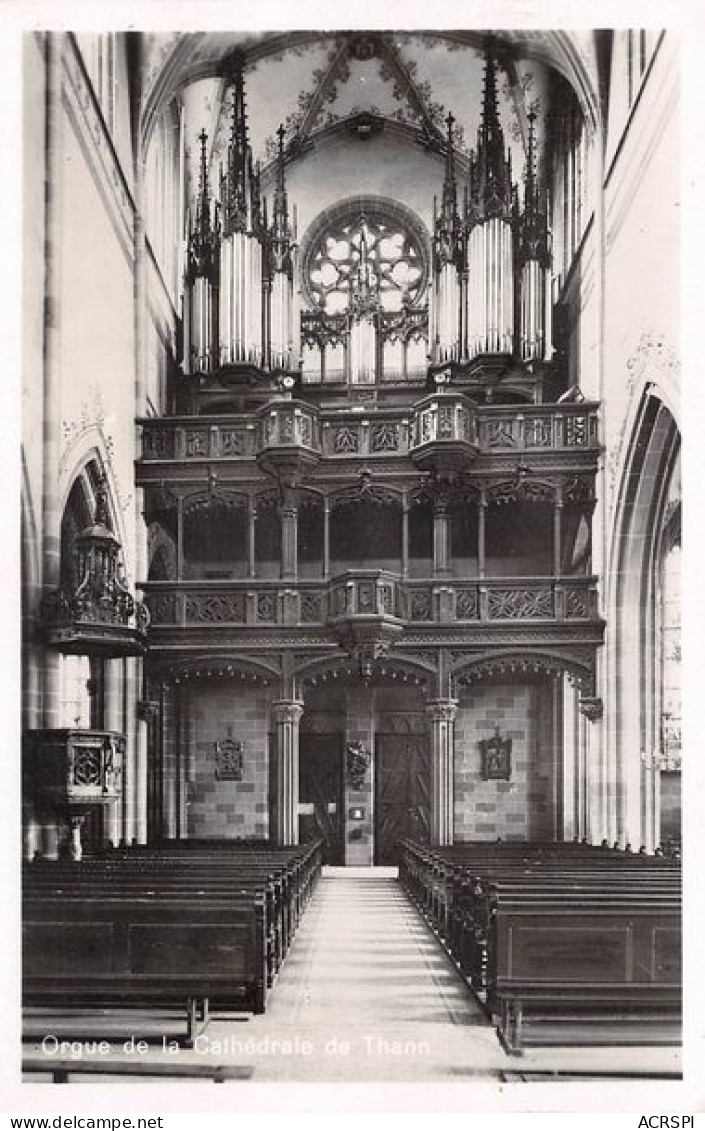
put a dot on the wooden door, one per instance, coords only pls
(321, 792)
(402, 792)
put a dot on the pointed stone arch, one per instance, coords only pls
(632, 732)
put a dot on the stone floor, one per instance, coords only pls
(367, 993)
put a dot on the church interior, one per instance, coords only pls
(351, 539)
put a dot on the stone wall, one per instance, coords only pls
(228, 809)
(523, 807)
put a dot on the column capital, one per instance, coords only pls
(442, 710)
(287, 710)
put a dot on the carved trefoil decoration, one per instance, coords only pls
(496, 755)
(228, 760)
(357, 761)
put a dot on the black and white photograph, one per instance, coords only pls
(351, 675)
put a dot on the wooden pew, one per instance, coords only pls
(600, 971)
(105, 950)
(196, 928)
(515, 918)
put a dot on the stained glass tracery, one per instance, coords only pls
(396, 265)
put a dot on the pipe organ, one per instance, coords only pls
(489, 298)
(490, 291)
(239, 285)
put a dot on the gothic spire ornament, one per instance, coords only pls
(534, 261)
(444, 320)
(491, 195)
(534, 238)
(240, 195)
(201, 276)
(283, 312)
(489, 299)
(242, 246)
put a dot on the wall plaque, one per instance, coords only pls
(228, 760)
(357, 760)
(496, 757)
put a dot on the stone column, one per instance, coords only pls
(179, 538)
(142, 773)
(287, 715)
(51, 385)
(405, 538)
(130, 773)
(441, 713)
(571, 762)
(289, 519)
(557, 534)
(251, 555)
(114, 720)
(326, 537)
(481, 516)
(441, 538)
(171, 723)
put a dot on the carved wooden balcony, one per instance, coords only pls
(199, 611)
(288, 439)
(496, 437)
(497, 600)
(366, 613)
(444, 433)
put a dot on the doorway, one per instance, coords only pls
(402, 792)
(321, 793)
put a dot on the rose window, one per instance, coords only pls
(368, 252)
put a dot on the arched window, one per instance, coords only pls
(364, 278)
(364, 233)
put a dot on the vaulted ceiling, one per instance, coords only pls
(322, 84)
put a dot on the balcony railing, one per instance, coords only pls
(445, 432)
(371, 433)
(366, 593)
(258, 603)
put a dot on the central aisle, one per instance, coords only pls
(367, 993)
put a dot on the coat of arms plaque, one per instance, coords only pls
(496, 757)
